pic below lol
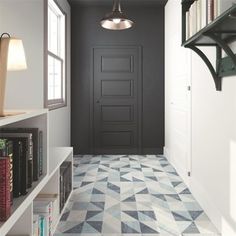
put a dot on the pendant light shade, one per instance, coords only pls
(116, 20)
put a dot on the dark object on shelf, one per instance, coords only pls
(40, 153)
(5, 197)
(24, 160)
(219, 33)
(6, 151)
(65, 182)
(17, 167)
(35, 140)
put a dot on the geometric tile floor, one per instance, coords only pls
(131, 195)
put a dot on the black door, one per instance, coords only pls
(116, 110)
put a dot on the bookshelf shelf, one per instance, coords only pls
(20, 221)
(219, 34)
(57, 156)
(22, 203)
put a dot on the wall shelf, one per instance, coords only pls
(219, 34)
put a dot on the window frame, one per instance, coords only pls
(62, 102)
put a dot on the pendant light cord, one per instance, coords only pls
(116, 6)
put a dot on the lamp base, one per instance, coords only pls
(11, 114)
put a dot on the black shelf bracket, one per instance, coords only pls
(219, 34)
(224, 66)
(214, 73)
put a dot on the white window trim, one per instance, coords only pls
(55, 103)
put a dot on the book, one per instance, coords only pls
(203, 13)
(44, 209)
(36, 229)
(5, 195)
(42, 225)
(40, 153)
(23, 162)
(35, 141)
(17, 167)
(198, 14)
(6, 150)
(29, 153)
(65, 182)
(187, 25)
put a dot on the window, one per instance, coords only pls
(56, 78)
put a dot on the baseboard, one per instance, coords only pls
(166, 153)
(179, 170)
(155, 151)
(206, 203)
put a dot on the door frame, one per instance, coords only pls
(140, 93)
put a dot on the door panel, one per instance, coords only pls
(117, 88)
(116, 96)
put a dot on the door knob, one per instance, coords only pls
(97, 101)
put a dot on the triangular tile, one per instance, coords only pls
(147, 230)
(103, 180)
(192, 229)
(65, 216)
(150, 214)
(179, 217)
(174, 196)
(133, 214)
(160, 196)
(127, 229)
(156, 170)
(99, 204)
(90, 214)
(92, 227)
(81, 174)
(137, 180)
(130, 199)
(195, 214)
(84, 183)
(152, 178)
(175, 183)
(96, 191)
(75, 230)
(113, 187)
(124, 180)
(185, 191)
(144, 191)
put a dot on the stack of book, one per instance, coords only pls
(65, 182)
(203, 12)
(21, 163)
(44, 206)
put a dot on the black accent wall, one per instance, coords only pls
(148, 33)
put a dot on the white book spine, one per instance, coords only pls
(199, 24)
(191, 21)
(203, 13)
(187, 25)
(195, 17)
(215, 8)
(209, 14)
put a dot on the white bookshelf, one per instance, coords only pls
(21, 219)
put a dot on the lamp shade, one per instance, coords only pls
(16, 55)
(116, 20)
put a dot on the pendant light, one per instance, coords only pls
(116, 20)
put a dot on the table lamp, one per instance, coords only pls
(12, 58)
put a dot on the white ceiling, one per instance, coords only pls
(105, 2)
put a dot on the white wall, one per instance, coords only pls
(213, 180)
(25, 19)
